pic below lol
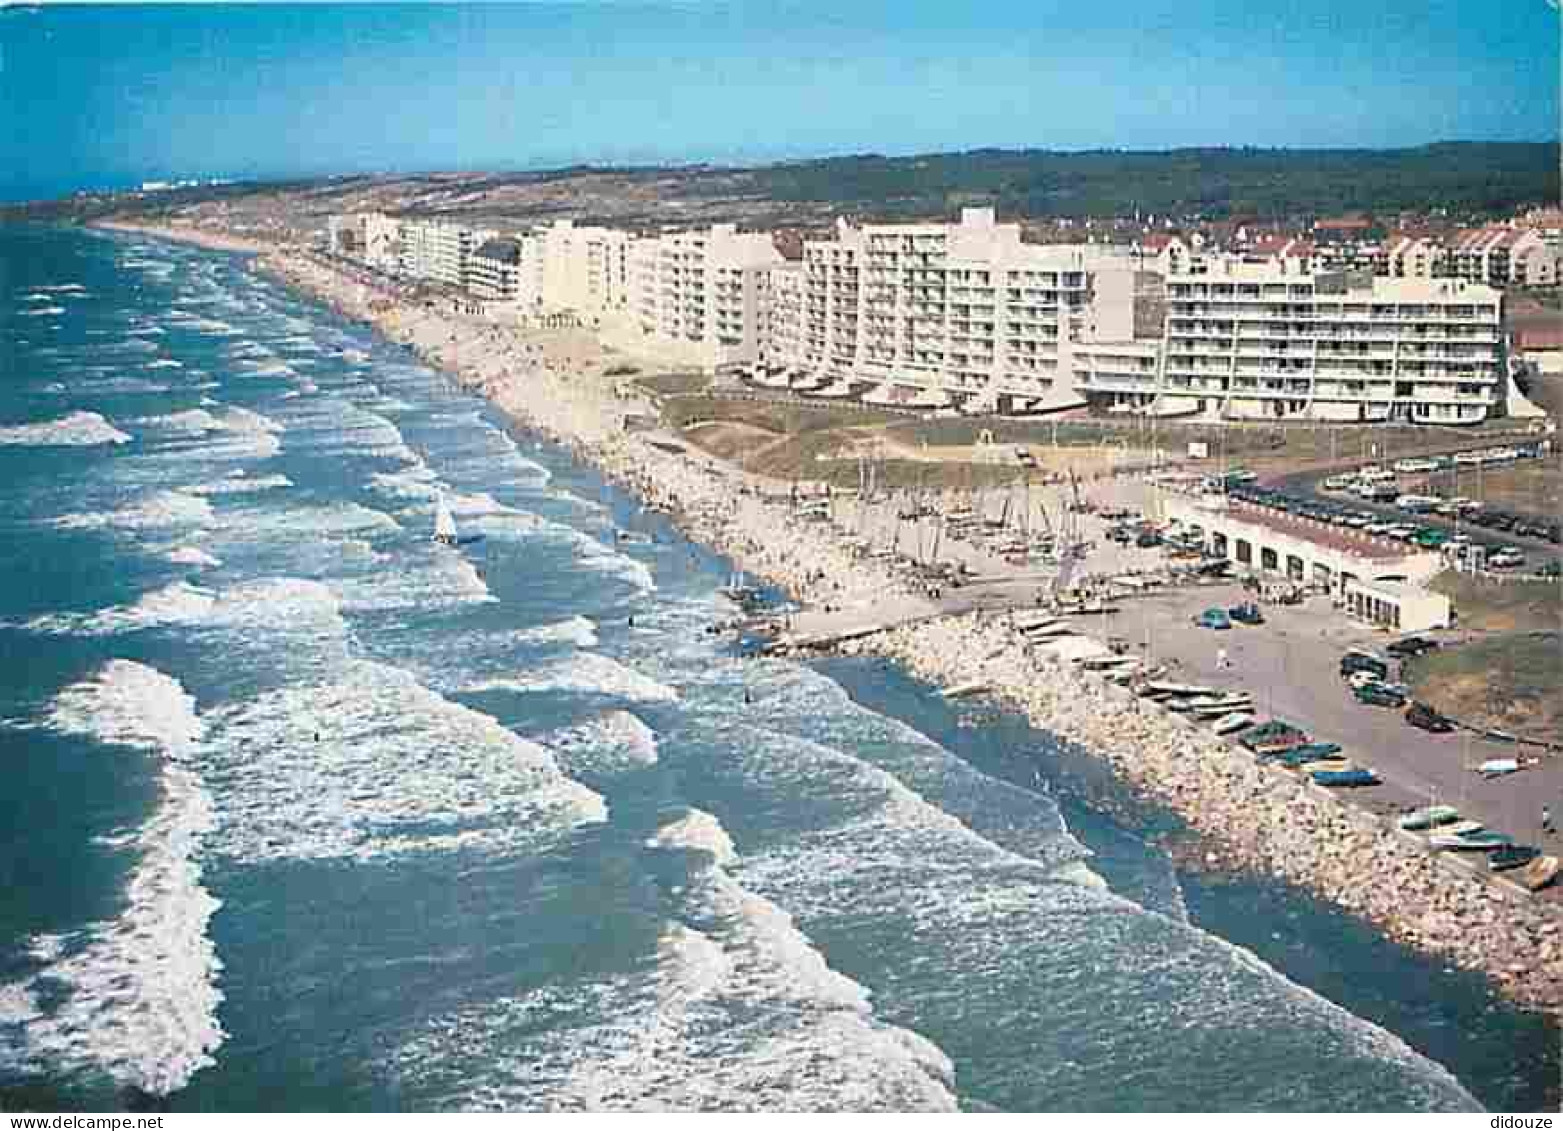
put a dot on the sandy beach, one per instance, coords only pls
(562, 384)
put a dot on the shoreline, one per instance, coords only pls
(1249, 818)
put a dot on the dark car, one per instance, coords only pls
(1423, 716)
(1378, 695)
(1355, 661)
(1147, 539)
(1410, 646)
(1246, 614)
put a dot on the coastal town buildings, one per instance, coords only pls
(971, 316)
(699, 296)
(494, 270)
(1257, 341)
(968, 311)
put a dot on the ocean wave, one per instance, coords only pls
(140, 993)
(577, 630)
(372, 765)
(700, 831)
(159, 509)
(77, 429)
(192, 556)
(438, 578)
(164, 363)
(296, 607)
(40, 311)
(613, 742)
(739, 1012)
(585, 673)
(241, 484)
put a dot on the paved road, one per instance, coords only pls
(1306, 484)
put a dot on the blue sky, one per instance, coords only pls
(103, 96)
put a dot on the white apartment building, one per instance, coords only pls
(584, 270)
(1415, 257)
(967, 311)
(369, 236)
(1255, 341)
(699, 295)
(494, 271)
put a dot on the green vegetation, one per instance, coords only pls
(773, 416)
(671, 384)
(1511, 682)
(1462, 177)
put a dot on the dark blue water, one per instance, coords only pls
(305, 811)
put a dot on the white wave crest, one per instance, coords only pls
(577, 630)
(374, 764)
(241, 484)
(697, 829)
(160, 509)
(587, 673)
(141, 992)
(77, 429)
(192, 556)
(614, 742)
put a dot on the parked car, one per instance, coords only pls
(1147, 539)
(1408, 646)
(1380, 695)
(1361, 660)
(1247, 613)
(1423, 716)
(1213, 618)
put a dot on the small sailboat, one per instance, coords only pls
(445, 533)
(444, 524)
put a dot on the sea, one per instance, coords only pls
(302, 810)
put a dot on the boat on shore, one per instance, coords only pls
(1511, 856)
(961, 690)
(1537, 874)
(1482, 840)
(1355, 778)
(1231, 724)
(1428, 817)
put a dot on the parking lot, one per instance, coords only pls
(1418, 501)
(1290, 666)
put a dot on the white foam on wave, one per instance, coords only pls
(40, 311)
(577, 630)
(159, 509)
(176, 603)
(372, 764)
(588, 673)
(739, 1012)
(614, 742)
(697, 830)
(433, 577)
(193, 556)
(304, 610)
(74, 430)
(164, 363)
(241, 484)
(125, 384)
(141, 992)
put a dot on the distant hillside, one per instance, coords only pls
(1468, 180)
(1474, 177)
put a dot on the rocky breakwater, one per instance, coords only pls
(1255, 818)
